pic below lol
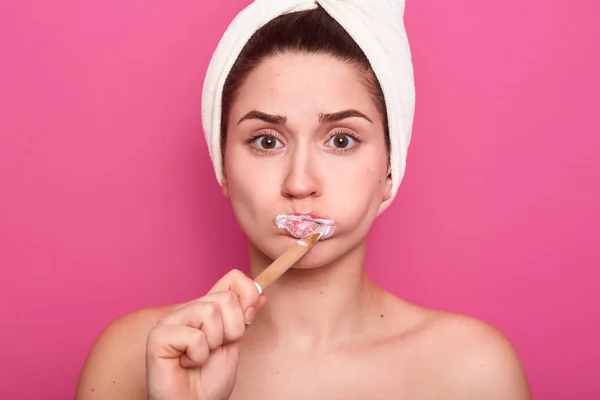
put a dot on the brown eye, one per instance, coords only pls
(342, 141)
(267, 142)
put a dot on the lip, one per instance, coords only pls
(299, 225)
(309, 215)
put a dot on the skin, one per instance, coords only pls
(323, 330)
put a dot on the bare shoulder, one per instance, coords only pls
(115, 366)
(477, 360)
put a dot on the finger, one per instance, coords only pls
(203, 315)
(183, 342)
(232, 315)
(242, 285)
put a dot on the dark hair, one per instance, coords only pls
(311, 31)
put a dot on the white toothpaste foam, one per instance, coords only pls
(301, 226)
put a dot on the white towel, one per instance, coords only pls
(377, 26)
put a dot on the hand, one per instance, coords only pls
(192, 353)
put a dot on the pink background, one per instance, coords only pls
(108, 202)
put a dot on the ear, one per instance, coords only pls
(387, 193)
(225, 186)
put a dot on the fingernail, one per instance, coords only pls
(260, 291)
(249, 315)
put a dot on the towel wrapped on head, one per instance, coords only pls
(376, 26)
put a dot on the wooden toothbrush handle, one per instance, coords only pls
(281, 265)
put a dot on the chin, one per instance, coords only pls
(323, 253)
(308, 263)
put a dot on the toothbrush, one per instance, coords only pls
(289, 258)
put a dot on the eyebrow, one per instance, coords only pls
(323, 118)
(271, 119)
(338, 116)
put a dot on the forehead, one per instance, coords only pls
(307, 82)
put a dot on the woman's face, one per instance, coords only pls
(305, 137)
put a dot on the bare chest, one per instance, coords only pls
(328, 377)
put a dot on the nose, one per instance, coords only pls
(301, 177)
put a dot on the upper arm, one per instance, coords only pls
(116, 367)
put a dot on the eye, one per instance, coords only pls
(266, 142)
(342, 141)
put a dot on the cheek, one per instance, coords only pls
(355, 194)
(252, 187)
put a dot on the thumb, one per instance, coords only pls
(262, 300)
(251, 313)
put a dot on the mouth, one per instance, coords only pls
(300, 226)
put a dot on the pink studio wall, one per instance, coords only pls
(108, 202)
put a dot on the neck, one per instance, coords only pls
(311, 308)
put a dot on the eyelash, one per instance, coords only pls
(345, 132)
(357, 138)
(252, 138)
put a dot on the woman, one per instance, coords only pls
(305, 130)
